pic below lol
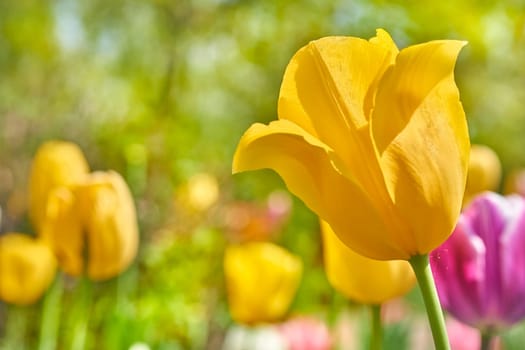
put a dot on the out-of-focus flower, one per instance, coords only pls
(515, 182)
(254, 338)
(461, 336)
(360, 278)
(306, 333)
(56, 164)
(374, 140)
(261, 281)
(200, 192)
(484, 171)
(139, 346)
(480, 269)
(246, 221)
(27, 268)
(93, 220)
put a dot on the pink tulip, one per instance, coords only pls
(480, 269)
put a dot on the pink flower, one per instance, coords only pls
(480, 269)
(306, 333)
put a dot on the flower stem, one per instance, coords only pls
(51, 310)
(421, 268)
(486, 338)
(376, 336)
(16, 328)
(81, 313)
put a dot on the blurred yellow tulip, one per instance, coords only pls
(373, 139)
(484, 171)
(56, 164)
(93, 220)
(515, 182)
(261, 281)
(362, 279)
(27, 268)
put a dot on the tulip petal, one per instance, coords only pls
(362, 279)
(311, 171)
(111, 224)
(56, 164)
(27, 268)
(458, 266)
(328, 90)
(261, 281)
(420, 132)
(512, 262)
(62, 230)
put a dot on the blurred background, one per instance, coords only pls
(161, 92)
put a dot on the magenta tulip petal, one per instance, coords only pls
(480, 269)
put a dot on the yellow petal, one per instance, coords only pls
(27, 268)
(311, 171)
(362, 279)
(328, 90)
(56, 163)
(421, 136)
(63, 230)
(261, 281)
(109, 217)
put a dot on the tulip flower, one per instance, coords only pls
(56, 164)
(360, 278)
(27, 268)
(261, 281)
(374, 140)
(484, 171)
(93, 220)
(480, 269)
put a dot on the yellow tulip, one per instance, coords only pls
(362, 279)
(484, 171)
(372, 139)
(56, 164)
(27, 268)
(261, 281)
(93, 220)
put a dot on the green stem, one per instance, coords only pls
(51, 310)
(436, 319)
(16, 328)
(82, 305)
(376, 337)
(486, 338)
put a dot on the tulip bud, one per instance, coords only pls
(56, 164)
(479, 271)
(93, 220)
(261, 281)
(109, 217)
(27, 268)
(484, 171)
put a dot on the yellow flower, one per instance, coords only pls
(372, 139)
(27, 268)
(261, 280)
(56, 163)
(96, 220)
(484, 171)
(362, 279)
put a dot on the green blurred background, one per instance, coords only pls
(162, 90)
